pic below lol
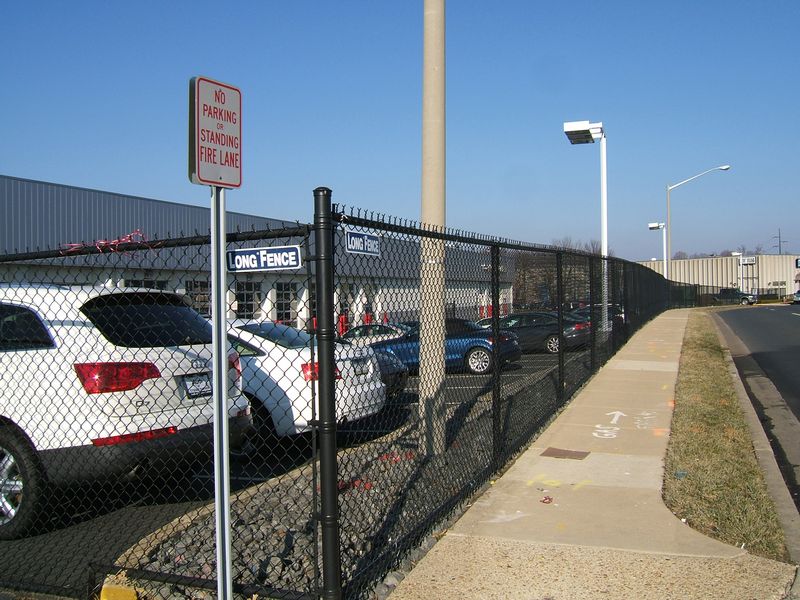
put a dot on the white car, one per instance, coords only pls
(279, 375)
(363, 335)
(96, 382)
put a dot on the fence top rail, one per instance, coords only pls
(353, 216)
(104, 247)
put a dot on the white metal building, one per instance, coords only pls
(761, 273)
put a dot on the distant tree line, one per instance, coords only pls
(759, 249)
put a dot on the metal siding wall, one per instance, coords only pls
(722, 271)
(41, 215)
(778, 267)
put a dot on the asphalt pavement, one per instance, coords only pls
(580, 514)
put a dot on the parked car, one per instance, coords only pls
(616, 315)
(487, 322)
(363, 335)
(394, 373)
(539, 331)
(97, 382)
(734, 296)
(279, 376)
(796, 297)
(466, 346)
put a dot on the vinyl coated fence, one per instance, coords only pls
(375, 387)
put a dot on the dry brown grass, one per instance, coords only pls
(712, 478)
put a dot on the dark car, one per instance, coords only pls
(466, 346)
(394, 373)
(734, 296)
(595, 313)
(539, 331)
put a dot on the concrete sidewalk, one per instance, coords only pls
(580, 515)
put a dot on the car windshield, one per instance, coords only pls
(147, 320)
(282, 335)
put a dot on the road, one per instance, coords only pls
(765, 345)
(772, 335)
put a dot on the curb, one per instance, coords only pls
(117, 592)
(765, 456)
(785, 506)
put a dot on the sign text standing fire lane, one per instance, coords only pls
(215, 133)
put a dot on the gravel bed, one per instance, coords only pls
(390, 501)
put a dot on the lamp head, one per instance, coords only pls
(583, 132)
(724, 168)
(655, 226)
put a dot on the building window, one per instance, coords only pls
(199, 290)
(156, 284)
(286, 303)
(248, 299)
(311, 302)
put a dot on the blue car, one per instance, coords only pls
(467, 345)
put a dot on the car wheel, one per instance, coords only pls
(551, 344)
(479, 361)
(263, 425)
(22, 484)
(745, 301)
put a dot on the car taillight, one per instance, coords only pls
(139, 436)
(235, 364)
(101, 377)
(311, 372)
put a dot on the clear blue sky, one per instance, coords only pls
(94, 94)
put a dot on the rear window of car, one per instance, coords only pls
(21, 329)
(457, 326)
(147, 320)
(282, 335)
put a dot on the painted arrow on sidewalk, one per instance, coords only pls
(616, 416)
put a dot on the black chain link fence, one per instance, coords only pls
(452, 351)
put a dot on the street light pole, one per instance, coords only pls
(603, 198)
(663, 228)
(584, 132)
(669, 221)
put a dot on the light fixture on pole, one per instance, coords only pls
(669, 224)
(663, 228)
(584, 132)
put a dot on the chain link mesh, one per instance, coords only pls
(452, 352)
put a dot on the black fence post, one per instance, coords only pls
(497, 432)
(560, 294)
(593, 325)
(326, 336)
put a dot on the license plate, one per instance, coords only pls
(197, 384)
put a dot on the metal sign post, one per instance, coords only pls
(219, 326)
(215, 159)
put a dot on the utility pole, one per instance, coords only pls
(780, 242)
(432, 288)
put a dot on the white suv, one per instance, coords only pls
(97, 382)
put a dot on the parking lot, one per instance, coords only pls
(105, 522)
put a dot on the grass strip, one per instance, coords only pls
(712, 479)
